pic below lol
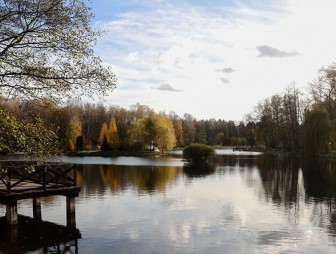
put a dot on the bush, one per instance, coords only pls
(198, 152)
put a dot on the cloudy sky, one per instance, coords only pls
(212, 58)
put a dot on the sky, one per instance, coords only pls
(212, 58)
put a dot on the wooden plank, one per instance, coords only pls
(6, 198)
(46, 180)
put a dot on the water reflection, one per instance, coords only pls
(198, 169)
(102, 178)
(33, 236)
(280, 178)
(320, 178)
(241, 203)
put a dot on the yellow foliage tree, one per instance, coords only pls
(153, 130)
(112, 136)
(103, 133)
(165, 134)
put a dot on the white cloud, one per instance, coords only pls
(188, 47)
(132, 57)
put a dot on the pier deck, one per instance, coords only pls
(28, 180)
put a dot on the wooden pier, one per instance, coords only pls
(32, 181)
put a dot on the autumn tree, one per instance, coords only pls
(178, 128)
(112, 134)
(123, 120)
(135, 132)
(153, 131)
(72, 132)
(32, 139)
(103, 133)
(165, 134)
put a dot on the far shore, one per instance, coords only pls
(98, 153)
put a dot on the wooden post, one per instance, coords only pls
(8, 182)
(71, 211)
(12, 234)
(75, 175)
(11, 213)
(37, 214)
(44, 172)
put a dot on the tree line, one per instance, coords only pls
(300, 119)
(138, 127)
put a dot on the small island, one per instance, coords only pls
(198, 153)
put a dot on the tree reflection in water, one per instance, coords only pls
(38, 237)
(119, 178)
(200, 169)
(291, 182)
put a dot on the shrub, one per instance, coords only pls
(198, 152)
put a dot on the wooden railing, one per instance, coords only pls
(16, 177)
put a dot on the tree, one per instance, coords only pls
(189, 129)
(251, 138)
(317, 132)
(72, 132)
(103, 133)
(165, 134)
(104, 146)
(19, 136)
(112, 134)
(153, 130)
(46, 49)
(150, 132)
(135, 132)
(178, 128)
(79, 143)
(323, 90)
(201, 135)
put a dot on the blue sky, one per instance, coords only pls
(212, 58)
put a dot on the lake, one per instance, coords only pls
(241, 203)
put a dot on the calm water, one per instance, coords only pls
(243, 203)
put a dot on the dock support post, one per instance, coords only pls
(37, 214)
(71, 211)
(11, 213)
(12, 234)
